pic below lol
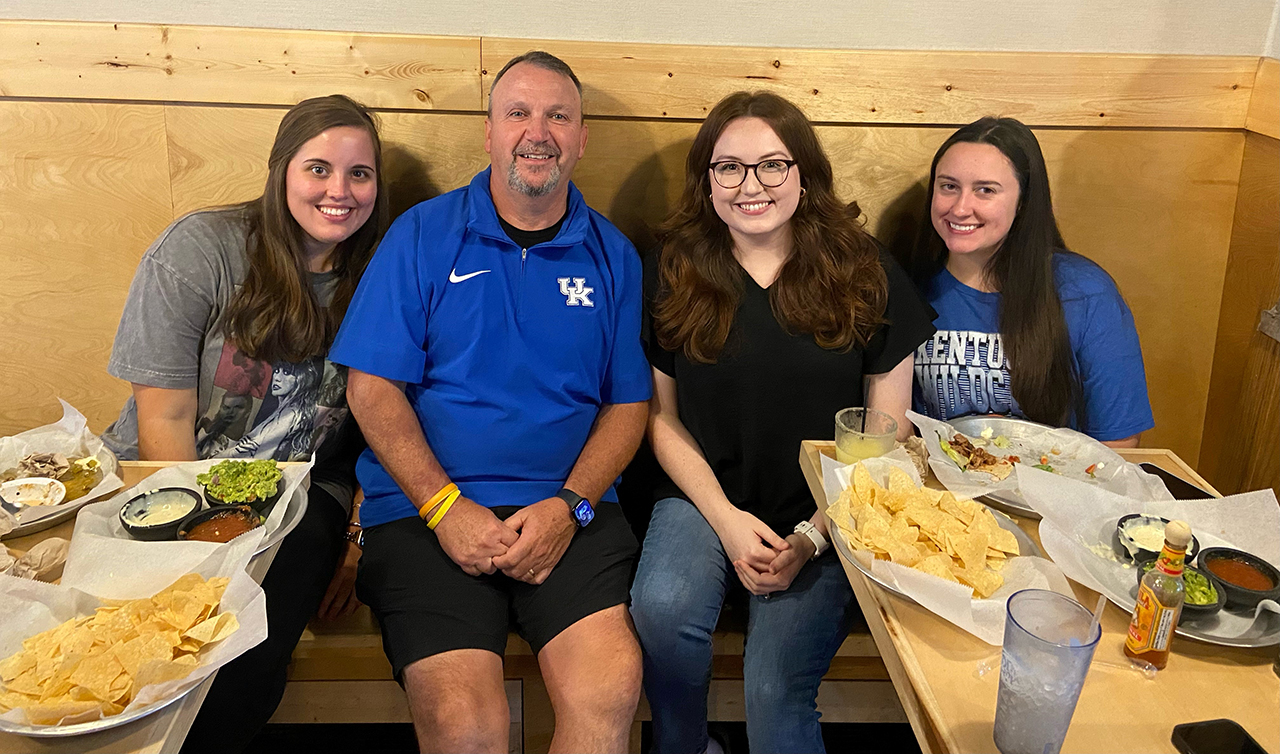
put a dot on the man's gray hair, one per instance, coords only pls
(543, 60)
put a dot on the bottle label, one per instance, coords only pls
(1171, 560)
(1152, 625)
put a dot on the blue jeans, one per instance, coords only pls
(791, 637)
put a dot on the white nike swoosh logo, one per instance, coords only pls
(454, 277)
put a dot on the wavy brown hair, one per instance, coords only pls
(1044, 379)
(832, 286)
(275, 315)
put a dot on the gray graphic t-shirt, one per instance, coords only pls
(171, 336)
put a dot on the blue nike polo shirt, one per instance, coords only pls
(507, 353)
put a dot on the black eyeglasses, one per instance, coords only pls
(770, 173)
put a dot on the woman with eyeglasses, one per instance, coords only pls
(1025, 327)
(769, 309)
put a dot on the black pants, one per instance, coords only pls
(248, 689)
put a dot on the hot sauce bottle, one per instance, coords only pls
(1160, 597)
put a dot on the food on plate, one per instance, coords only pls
(1199, 590)
(932, 531)
(77, 475)
(972, 458)
(33, 491)
(97, 664)
(241, 481)
(220, 524)
(1140, 537)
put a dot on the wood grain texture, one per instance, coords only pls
(84, 188)
(1121, 197)
(1264, 102)
(219, 155)
(233, 65)
(679, 81)
(1240, 429)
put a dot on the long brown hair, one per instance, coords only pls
(1044, 380)
(832, 286)
(275, 315)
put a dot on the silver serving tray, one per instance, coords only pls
(1026, 546)
(93, 726)
(110, 465)
(1225, 628)
(1008, 501)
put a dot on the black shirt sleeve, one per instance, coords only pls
(908, 321)
(659, 358)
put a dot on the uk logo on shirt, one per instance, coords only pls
(577, 294)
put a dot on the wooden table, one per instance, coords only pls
(951, 708)
(163, 731)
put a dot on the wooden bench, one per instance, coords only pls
(340, 675)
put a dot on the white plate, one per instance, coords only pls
(1025, 547)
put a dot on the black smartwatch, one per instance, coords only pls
(579, 506)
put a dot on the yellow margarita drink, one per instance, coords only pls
(863, 433)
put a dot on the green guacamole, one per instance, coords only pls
(241, 481)
(1199, 590)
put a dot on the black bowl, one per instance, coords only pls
(190, 522)
(156, 532)
(263, 507)
(1239, 598)
(1190, 611)
(1143, 555)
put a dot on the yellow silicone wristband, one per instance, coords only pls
(425, 510)
(444, 508)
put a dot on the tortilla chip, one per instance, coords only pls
(51, 713)
(937, 565)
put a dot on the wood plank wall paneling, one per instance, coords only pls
(218, 155)
(1240, 429)
(1264, 103)
(83, 181)
(679, 81)
(232, 65)
(84, 188)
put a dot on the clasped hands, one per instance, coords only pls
(526, 546)
(765, 563)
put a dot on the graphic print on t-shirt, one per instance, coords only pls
(963, 372)
(281, 411)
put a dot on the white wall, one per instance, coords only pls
(1215, 27)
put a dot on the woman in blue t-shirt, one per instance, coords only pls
(992, 263)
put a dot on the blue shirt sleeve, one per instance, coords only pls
(385, 329)
(627, 378)
(1109, 358)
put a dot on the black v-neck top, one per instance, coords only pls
(769, 390)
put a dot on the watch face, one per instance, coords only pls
(584, 513)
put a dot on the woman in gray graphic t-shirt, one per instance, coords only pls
(224, 337)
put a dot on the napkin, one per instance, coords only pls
(1079, 518)
(71, 437)
(1077, 452)
(106, 568)
(103, 519)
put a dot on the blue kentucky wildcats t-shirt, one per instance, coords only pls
(964, 369)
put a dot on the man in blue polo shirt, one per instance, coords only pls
(497, 372)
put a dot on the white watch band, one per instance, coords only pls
(820, 543)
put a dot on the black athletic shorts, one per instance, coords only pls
(425, 604)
